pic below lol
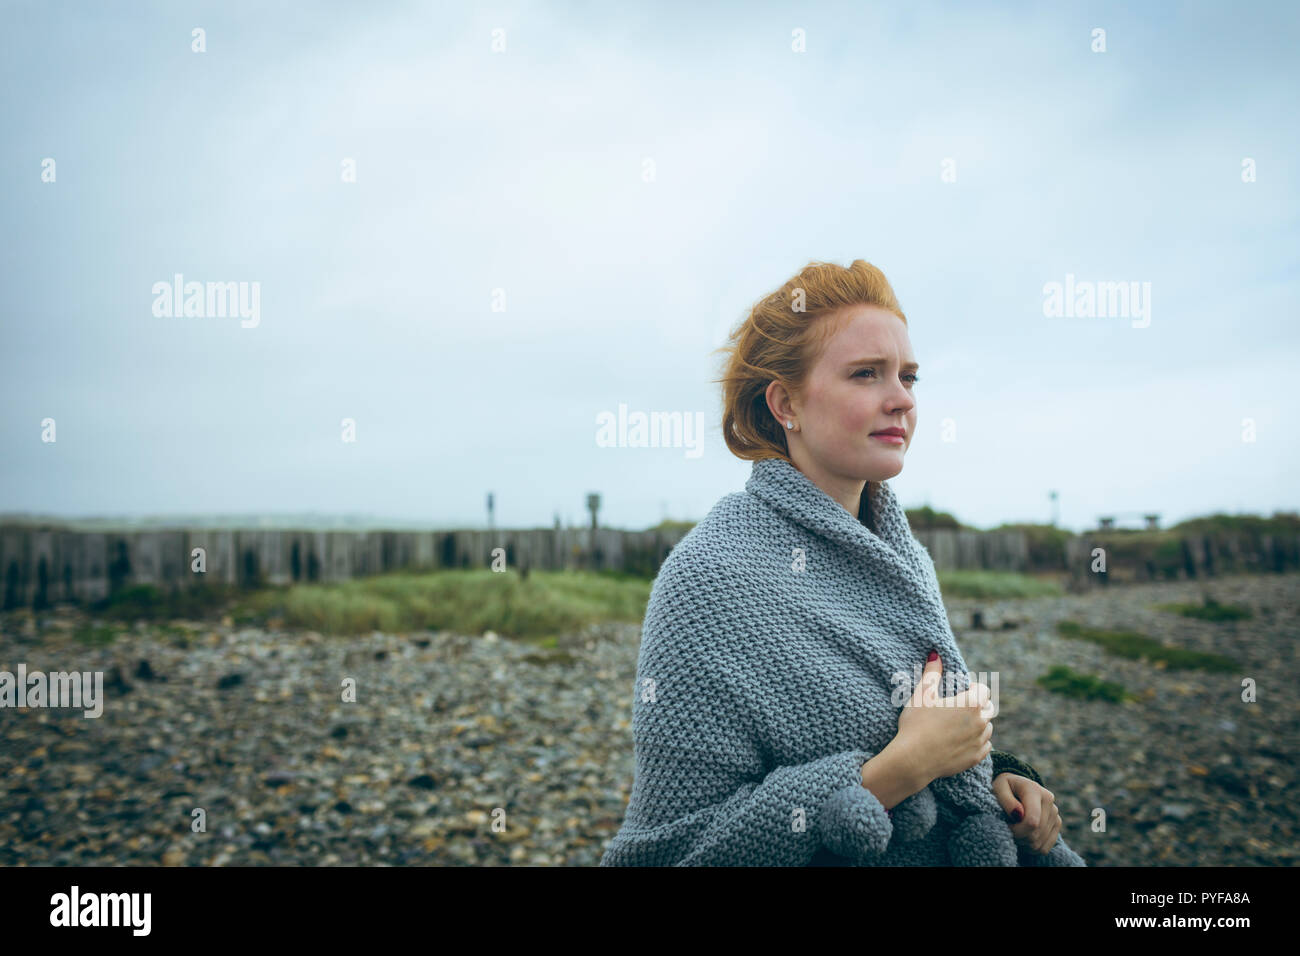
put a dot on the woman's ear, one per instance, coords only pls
(777, 401)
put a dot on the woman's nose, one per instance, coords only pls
(903, 400)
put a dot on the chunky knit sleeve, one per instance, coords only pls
(704, 796)
(1004, 762)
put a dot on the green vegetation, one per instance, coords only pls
(1169, 554)
(1137, 646)
(1062, 680)
(468, 601)
(645, 577)
(1209, 610)
(1282, 522)
(550, 657)
(927, 519)
(1045, 542)
(995, 584)
(1162, 553)
(149, 603)
(179, 636)
(672, 524)
(99, 635)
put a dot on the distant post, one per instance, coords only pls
(593, 505)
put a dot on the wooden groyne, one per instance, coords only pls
(43, 564)
(46, 565)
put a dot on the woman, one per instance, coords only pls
(778, 718)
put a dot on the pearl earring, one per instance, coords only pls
(789, 424)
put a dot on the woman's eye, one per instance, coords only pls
(911, 377)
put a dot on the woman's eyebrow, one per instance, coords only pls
(879, 360)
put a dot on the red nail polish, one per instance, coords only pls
(933, 656)
(1016, 816)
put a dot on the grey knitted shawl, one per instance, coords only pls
(781, 638)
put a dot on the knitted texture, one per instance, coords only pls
(1004, 762)
(780, 641)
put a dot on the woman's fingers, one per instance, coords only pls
(1053, 815)
(1041, 825)
(1033, 803)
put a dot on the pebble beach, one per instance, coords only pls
(234, 746)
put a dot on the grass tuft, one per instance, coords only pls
(545, 605)
(1138, 646)
(99, 635)
(149, 603)
(1210, 610)
(995, 584)
(1063, 680)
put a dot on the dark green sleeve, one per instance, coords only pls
(1004, 762)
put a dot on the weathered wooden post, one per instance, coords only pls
(593, 505)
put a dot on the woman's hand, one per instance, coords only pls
(1033, 806)
(944, 736)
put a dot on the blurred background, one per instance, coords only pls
(337, 342)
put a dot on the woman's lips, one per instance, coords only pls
(889, 439)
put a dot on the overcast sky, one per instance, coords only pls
(559, 208)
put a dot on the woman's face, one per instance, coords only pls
(861, 383)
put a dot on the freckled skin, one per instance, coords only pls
(843, 402)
